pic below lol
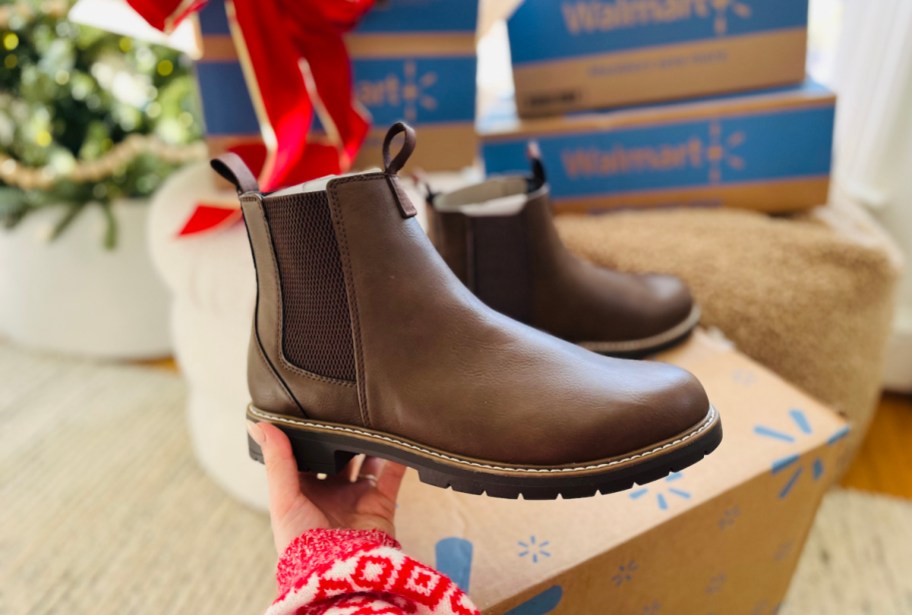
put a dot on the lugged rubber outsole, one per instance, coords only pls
(326, 448)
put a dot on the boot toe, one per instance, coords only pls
(676, 404)
(666, 402)
(671, 302)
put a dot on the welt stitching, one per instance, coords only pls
(700, 428)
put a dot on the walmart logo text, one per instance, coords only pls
(620, 160)
(593, 16)
(692, 153)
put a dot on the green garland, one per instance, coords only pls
(68, 95)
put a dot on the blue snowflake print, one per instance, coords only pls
(729, 516)
(789, 462)
(782, 551)
(715, 584)
(625, 573)
(533, 549)
(652, 608)
(743, 377)
(663, 492)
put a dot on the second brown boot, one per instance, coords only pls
(499, 238)
(363, 341)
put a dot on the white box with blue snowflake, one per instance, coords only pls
(723, 536)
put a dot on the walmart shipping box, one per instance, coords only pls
(768, 151)
(228, 112)
(414, 60)
(723, 536)
(587, 54)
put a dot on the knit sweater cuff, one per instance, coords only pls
(337, 570)
(316, 549)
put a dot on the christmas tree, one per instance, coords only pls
(87, 117)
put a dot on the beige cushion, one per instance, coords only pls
(809, 297)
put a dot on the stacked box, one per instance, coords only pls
(722, 536)
(768, 151)
(233, 126)
(588, 54)
(414, 60)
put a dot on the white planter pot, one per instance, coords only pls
(72, 295)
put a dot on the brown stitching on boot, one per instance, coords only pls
(303, 372)
(699, 428)
(258, 202)
(272, 372)
(278, 333)
(339, 224)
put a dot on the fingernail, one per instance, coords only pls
(256, 433)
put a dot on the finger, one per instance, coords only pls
(371, 469)
(389, 476)
(281, 468)
(353, 469)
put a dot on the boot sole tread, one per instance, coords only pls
(327, 448)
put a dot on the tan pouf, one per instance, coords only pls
(809, 297)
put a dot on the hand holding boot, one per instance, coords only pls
(362, 497)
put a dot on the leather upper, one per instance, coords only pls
(436, 365)
(548, 287)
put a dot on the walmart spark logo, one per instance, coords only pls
(721, 152)
(663, 493)
(723, 9)
(593, 16)
(790, 463)
(534, 550)
(410, 90)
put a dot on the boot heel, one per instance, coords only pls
(311, 453)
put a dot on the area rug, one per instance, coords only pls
(104, 509)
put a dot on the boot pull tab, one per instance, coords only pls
(538, 169)
(230, 166)
(392, 165)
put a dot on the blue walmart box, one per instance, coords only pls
(425, 79)
(420, 16)
(414, 60)
(589, 54)
(768, 151)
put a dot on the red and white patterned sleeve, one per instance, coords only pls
(361, 572)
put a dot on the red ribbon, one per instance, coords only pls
(288, 43)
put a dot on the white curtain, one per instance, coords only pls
(872, 74)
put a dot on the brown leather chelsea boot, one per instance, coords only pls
(499, 238)
(364, 341)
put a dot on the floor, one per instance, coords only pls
(884, 462)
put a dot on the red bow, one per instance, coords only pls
(288, 43)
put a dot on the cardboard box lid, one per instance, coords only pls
(502, 548)
(501, 121)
